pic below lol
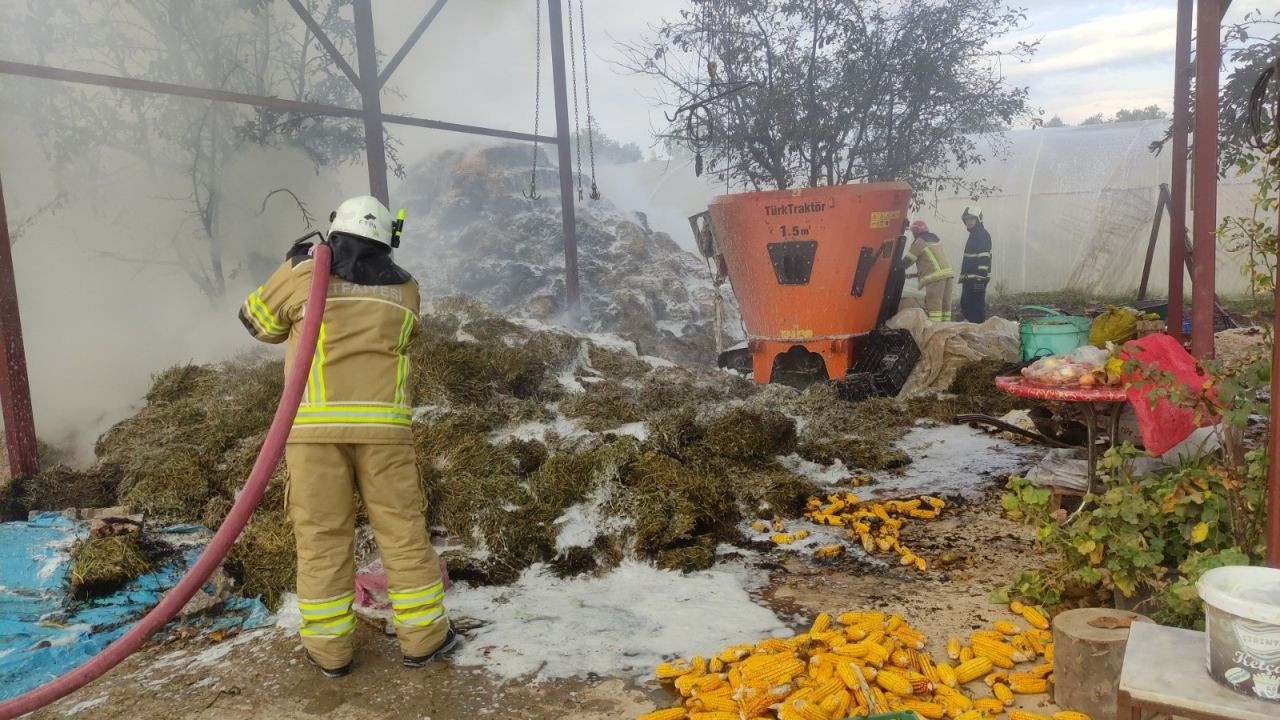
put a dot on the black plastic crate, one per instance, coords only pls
(885, 361)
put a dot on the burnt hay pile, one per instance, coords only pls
(520, 429)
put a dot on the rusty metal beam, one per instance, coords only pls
(325, 42)
(1205, 176)
(112, 81)
(1162, 200)
(1178, 180)
(566, 165)
(410, 42)
(15, 391)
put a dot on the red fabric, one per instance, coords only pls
(1165, 424)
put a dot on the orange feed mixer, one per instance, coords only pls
(810, 269)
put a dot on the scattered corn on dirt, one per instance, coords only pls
(875, 525)
(860, 662)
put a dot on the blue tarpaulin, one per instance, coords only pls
(43, 633)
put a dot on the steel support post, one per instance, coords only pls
(371, 97)
(15, 392)
(566, 164)
(1178, 180)
(1204, 191)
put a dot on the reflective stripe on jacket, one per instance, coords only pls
(976, 267)
(358, 387)
(931, 262)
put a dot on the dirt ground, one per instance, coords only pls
(972, 549)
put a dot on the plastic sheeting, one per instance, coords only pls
(945, 347)
(44, 634)
(1072, 208)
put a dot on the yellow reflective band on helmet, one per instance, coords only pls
(425, 595)
(326, 608)
(421, 618)
(334, 628)
(315, 382)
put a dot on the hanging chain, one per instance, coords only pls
(586, 87)
(537, 96)
(573, 67)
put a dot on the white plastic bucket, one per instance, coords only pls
(1242, 628)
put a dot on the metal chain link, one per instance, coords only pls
(537, 96)
(577, 127)
(586, 88)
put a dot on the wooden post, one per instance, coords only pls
(1204, 191)
(1178, 194)
(15, 392)
(1161, 202)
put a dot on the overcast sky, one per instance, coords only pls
(1095, 57)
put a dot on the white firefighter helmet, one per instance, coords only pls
(972, 211)
(364, 217)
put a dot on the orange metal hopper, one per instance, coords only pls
(809, 268)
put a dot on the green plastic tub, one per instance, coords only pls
(1052, 334)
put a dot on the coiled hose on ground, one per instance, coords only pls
(220, 545)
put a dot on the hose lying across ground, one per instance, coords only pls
(227, 533)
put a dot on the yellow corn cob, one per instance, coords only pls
(1032, 686)
(955, 701)
(715, 703)
(877, 695)
(994, 635)
(900, 658)
(675, 713)
(876, 653)
(886, 544)
(826, 671)
(674, 669)
(935, 502)
(920, 684)
(921, 564)
(1048, 652)
(894, 682)
(684, 684)
(709, 683)
(868, 543)
(809, 710)
(782, 538)
(1032, 639)
(770, 645)
(699, 664)
(1070, 715)
(798, 694)
(953, 648)
(667, 714)
(1016, 607)
(800, 534)
(734, 653)
(1020, 676)
(735, 676)
(715, 715)
(860, 617)
(923, 514)
(754, 703)
(932, 711)
(1002, 693)
(835, 705)
(966, 653)
(716, 665)
(990, 706)
(1035, 618)
(893, 623)
(996, 677)
(829, 551)
(771, 669)
(1005, 627)
(947, 674)
(925, 665)
(852, 650)
(972, 670)
(847, 675)
(826, 689)
(974, 714)
(1019, 643)
(1024, 715)
(1002, 655)
(910, 637)
(821, 624)
(758, 526)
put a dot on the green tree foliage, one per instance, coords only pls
(1055, 122)
(607, 149)
(791, 93)
(257, 47)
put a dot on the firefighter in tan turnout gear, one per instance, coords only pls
(353, 434)
(933, 272)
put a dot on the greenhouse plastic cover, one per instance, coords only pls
(43, 634)
(1073, 209)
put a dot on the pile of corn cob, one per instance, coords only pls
(820, 674)
(876, 525)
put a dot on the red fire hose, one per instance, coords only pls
(227, 533)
